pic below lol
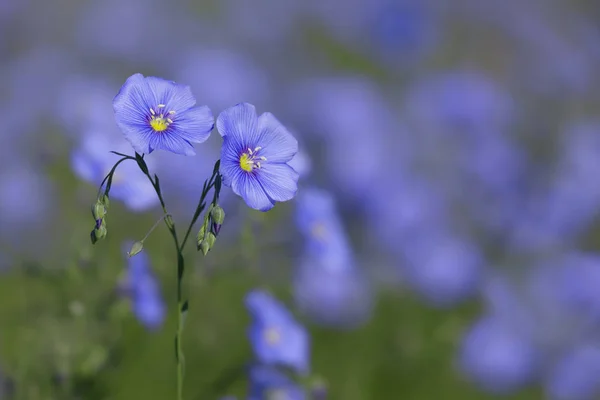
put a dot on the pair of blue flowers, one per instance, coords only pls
(154, 113)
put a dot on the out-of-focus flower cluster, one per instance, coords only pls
(449, 152)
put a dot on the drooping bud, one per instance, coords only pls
(98, 210)
(136, 248)
(99, 231)
(217, 214)
(208, 243)
(200, 236)
(204, 247)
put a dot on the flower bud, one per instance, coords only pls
(99, 232)
(105, 201)
(217, 214)
(136, 248)
(208, 243)
(200, 236)
(98, 210)
(204, 247)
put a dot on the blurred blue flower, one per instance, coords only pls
(301, 163)
(407, 209)
(144, 291)
(461, 102)
(496, 357)
(328, 285)
(444, 268)
(154, 113)
(576, 375)
(92, 160)
(276, 337)
(317, 220)
(267, 383)
(355, 108)
(254, 157)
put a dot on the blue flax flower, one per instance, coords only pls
(144, 290)
(154, 113)
(276, 337)
(255, 155)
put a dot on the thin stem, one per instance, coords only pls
(199, 209)
(154, 226)
(180, 272)
(111, 173)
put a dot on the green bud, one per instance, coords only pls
(99, 232)
(204, 247)
(208, 243)
(200, 236)
(105, 201)
(217, 214)
(136, 248)
(211, 239)
(98, 210)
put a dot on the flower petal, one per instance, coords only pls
(249, 188)
(130, 106)
(194, 124)
(172, 95)
(278, 144)
(279, 181)
(230, 161)
(172, 142)
(240, 123)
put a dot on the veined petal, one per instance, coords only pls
(279, 181)
(172, 95)
(131, 104)
(240, 123)
(278, 145)
(230, 162)
(248, 186)
(194, 124)
(172, 142)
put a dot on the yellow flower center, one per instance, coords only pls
(159, 119)
(319, 231)
(272, 336)
(250, 159)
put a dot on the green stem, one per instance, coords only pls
(180, 272)
(182, 305)
(199, 208)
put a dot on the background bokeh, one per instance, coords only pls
(449, 161)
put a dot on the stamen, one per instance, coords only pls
(250, 160)
(171, 112)
(169, 120)
(152, 111)
(161, 106)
